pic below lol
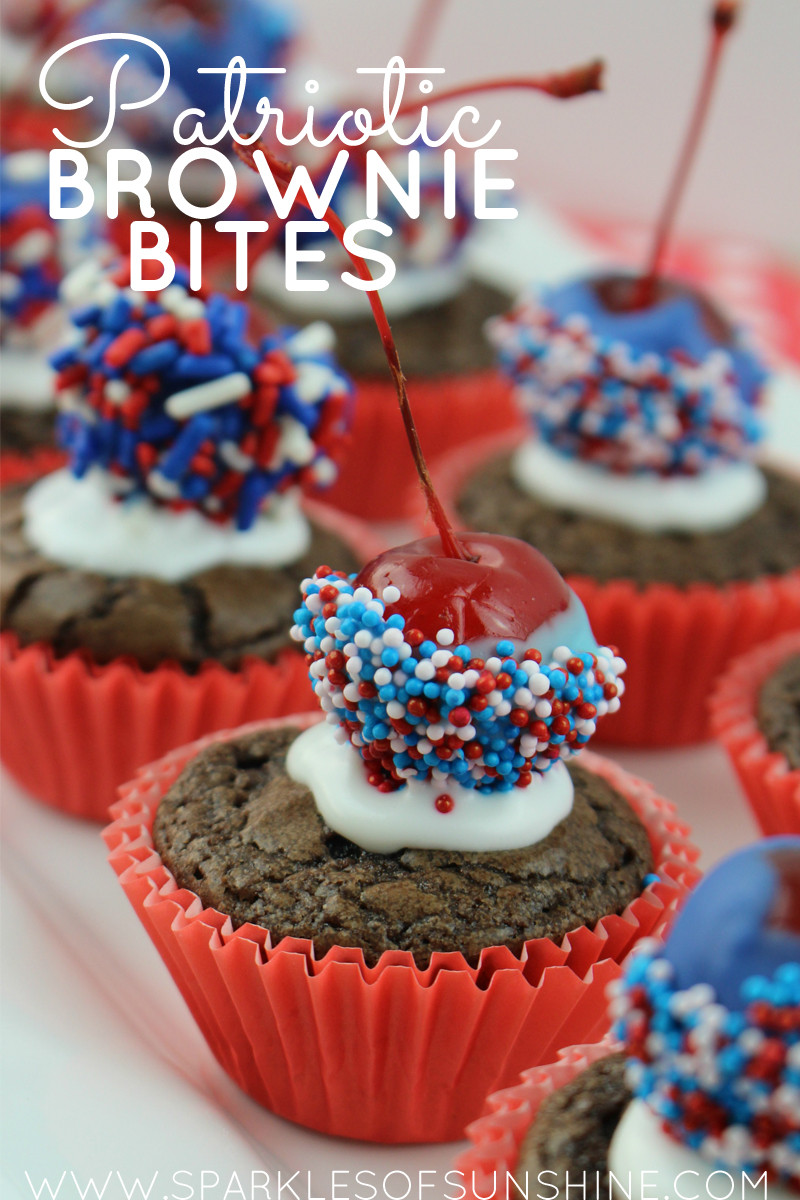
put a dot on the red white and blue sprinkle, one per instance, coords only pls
(632, 392)
(165, 391)
(724, 1082)
(35, 250)
(420, 707)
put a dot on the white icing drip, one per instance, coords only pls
(79, 523)
(716, 499)
(654, 1160)
(385, 822)
(27, 380)
(412, 288)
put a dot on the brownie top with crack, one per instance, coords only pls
(248, 839)
(223, 614)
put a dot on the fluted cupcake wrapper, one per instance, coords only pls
(771, 786)
(389, 1053)
(378, 469)
(497, 1136)
(676, 641)
(73, 731)
(24, 468)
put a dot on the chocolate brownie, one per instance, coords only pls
(446, 339)
(779, 711)
(238, 831)
(766, 543)
(23, 430)
(225, 613)
(573, 1130)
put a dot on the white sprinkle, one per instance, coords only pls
(31, 248)
(162, 487)
(234, 458)
(211, 394)
(314, 382)
(316, 338)
(445, 637)
(117, 391)
(26, 165)
(325, 471)
(391, 595)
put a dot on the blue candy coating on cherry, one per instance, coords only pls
(742, 921)
(680, 319)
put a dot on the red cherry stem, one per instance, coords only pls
(423, 30)
(452, 549)
(723, 20)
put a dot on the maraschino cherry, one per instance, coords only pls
(505, 589)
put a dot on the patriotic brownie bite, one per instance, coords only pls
(437, 808)
(645, 425)
(433, 810)
(709, 1078)
(177, 532)
(35, 254)
(639, 477)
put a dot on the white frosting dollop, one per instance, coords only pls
(647, 1162)
(713, 500)
(78, 522)
(385, 822)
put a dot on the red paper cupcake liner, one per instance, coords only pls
(22, 468)
(772, 788)
(498, 1136)
(378, 469)
(73, 731)
(389, 1053)
(676, 641)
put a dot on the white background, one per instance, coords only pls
(613, 154)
